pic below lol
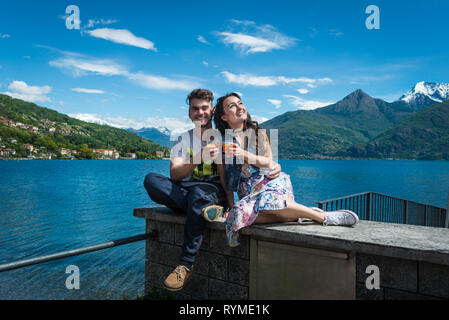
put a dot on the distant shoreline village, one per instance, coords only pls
(8, 146)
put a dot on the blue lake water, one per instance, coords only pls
(51, 206)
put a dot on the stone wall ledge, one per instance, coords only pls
(417, 243)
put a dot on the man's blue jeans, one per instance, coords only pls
(190, 198)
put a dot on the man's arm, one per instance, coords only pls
(179, 169)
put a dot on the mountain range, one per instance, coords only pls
(157, 135)
(357, 126)
(328, 131)
(348, 128)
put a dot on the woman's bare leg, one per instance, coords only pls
(293, 212)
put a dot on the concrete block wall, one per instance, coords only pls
(413, 261)
(402, 279)
(220, 272)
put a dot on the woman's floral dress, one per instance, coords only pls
(256, 192)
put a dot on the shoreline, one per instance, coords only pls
(283, 159)
(26, 159)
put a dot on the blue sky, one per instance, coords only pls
(132, 63)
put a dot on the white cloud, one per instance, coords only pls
(161, 83)
(303, 104)
(249, 80)
(201, 39)
(21, 90)
(268, 81)
(248, 44)
(82, 90)
(63, 52)
(254, 38)
(81, 66)
(205, 63)
(276, 103)
(122, 36)
(174, 125)
(84, 66)
(93, 118)
(259, 119)
(303, 91)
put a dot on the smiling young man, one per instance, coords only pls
(194, 183)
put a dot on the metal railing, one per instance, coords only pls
(75, 252)
(373, 206)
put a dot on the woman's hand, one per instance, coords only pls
(256, 160)
(237, 151)
(226, 214)
(275, 170)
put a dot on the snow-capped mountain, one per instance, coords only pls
(157, 135)
(164, 130)
(424, 94)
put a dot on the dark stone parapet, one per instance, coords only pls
(413, 260)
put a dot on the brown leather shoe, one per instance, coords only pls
(178, 278)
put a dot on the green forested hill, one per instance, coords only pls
(423, 136)
(331, 130)
(56, 130)
(305, 134)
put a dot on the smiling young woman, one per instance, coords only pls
(261, 199)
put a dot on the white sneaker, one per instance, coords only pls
(340, 218)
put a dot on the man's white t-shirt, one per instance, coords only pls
(188, 145)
